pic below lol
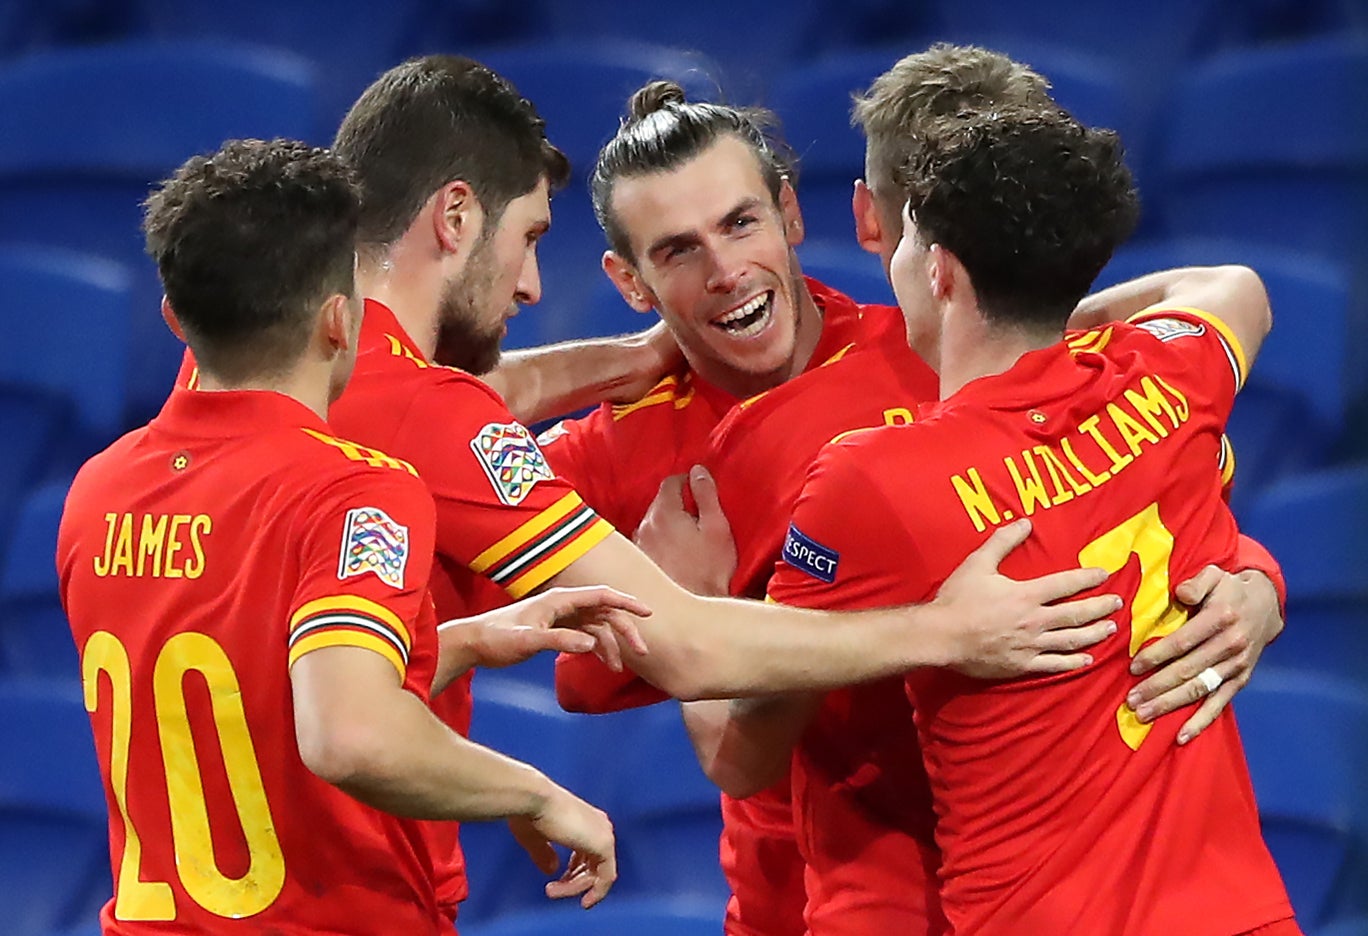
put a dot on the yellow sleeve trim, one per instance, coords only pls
(523, 534)
(1236, 350)
(348, 638)
(560, 560)
(353, 603)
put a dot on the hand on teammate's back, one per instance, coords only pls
(561, 620)
(1001, 628)
(692, 546)
(1237, 616)
(584, 829)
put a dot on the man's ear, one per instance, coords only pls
(628, 281)
(868, 224)
(169, 317)
(334, 330)
(792, 215)
(456, 217)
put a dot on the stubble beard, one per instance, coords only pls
(462, 341)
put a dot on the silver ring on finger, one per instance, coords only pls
(1210, 679)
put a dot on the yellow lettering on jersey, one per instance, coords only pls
(151, 541)
(1094, 479)
(155, 540)
(1118, 461)
(359, 453)
(974, 496)
(1182, 408)
(1149, 402)
(1030, 488)
(1130, 428)
(897, 416)
(1059, 476)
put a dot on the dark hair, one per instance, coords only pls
(248, 242)
(663, 131)
(431, 121)
(1032, 203)
(941, 81)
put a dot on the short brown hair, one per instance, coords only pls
(943, 80)
(431, 121)
(663, 131)
(1032, 203)
(248, 242)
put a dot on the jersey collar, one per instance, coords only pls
(381, 332)
(221, 414)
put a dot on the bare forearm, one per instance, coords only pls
(746, 746)
(540, 383)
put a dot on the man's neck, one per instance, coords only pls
(308, 385)
(971, 347)
(414, 299)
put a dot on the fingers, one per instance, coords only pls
(605, 873)
(1212, 706)
(1072, 614)
(1047, 663)
(1203, 641)
(577, 879)
(1198, 588)
(565, 601)
(605, 645)
(705, 496)
(1072, 639)
(1059, 585)
(671, 492)
(1185, 693)
(1000, 545)
(537, 846)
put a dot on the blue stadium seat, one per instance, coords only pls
(34, 636)
(617, 916)
(34, 425)
(1306, 739)
(524, 722)
(54, 838)
(667, 813)
(581, 90)
(1269, 145)
(69, 315)
(84, 133)
(814, 103)
(605, 312)
(1294, 405)
(847, 268)
(1316, 525)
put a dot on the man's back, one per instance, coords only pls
(199, 557)
(1057, 811)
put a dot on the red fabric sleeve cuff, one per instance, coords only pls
(1252, 555)
(584, 683)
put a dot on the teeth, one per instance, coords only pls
(744, 310)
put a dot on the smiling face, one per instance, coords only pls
(714, 255)
(500, 275)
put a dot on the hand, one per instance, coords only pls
(1237, 617)
(658, 355)
(1003, 628)
(697, 552)
(565, 620)
(568, 820)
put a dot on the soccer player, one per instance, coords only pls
(249, 595)
(1057, 810)
(674, 176)
(455, 172)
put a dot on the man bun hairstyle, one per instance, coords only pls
(663, 130)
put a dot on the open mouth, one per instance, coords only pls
(748, 319)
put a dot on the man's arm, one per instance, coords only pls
(1234, 294)
(981, 623)
(539, 383)
(360, 730)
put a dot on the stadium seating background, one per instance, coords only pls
(1246, 127)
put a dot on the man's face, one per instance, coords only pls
(716, 255)
(500, 275)
(909, 274)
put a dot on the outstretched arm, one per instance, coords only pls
(539, 383)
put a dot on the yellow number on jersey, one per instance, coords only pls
(1153, 612)
(233, 898)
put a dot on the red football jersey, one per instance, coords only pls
(1056, 811)
(199, 557)
(617, 458)
(505, 523)
(854, 774)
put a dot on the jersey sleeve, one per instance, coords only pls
(501, 510)
(838, 551)
(584, 683)
(366, 545)
(1205, 352)
(578, 451)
